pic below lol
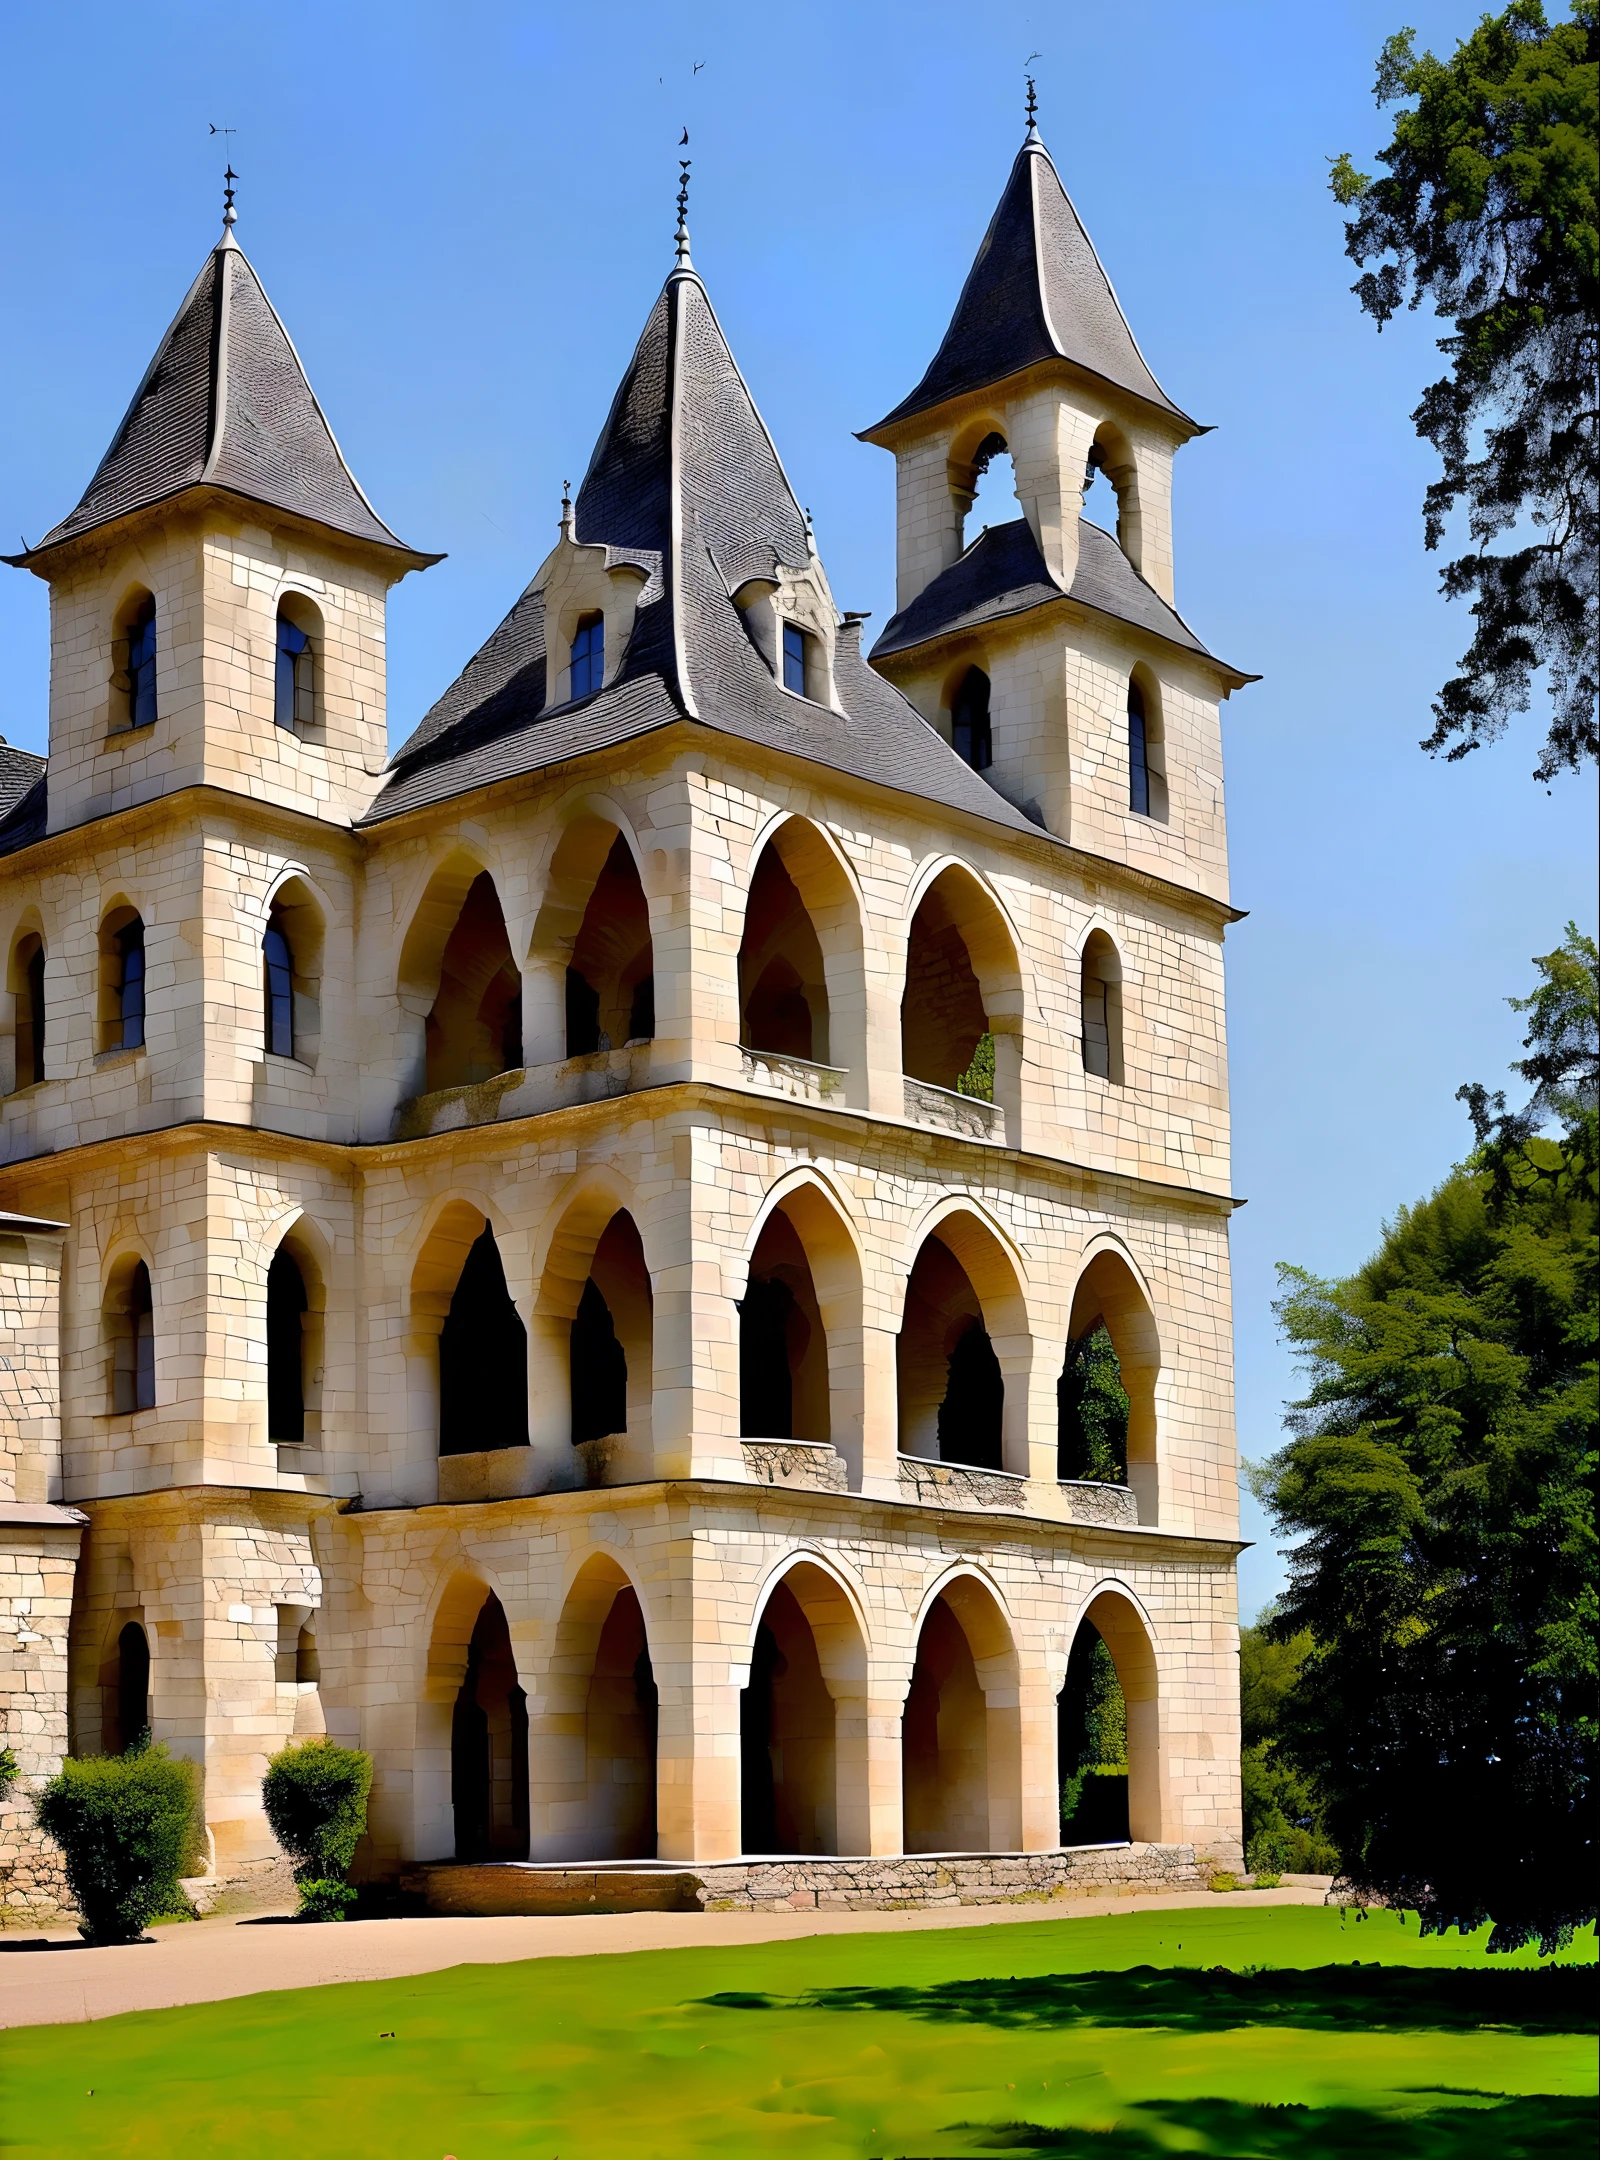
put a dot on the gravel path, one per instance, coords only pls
(55, 1979)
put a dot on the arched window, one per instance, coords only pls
(294, 685)
(27, 988)
(277, 972)
(1147, 775)
(286, 1311)
(588, 668)
(122, 981)
(483, 1359)
(969, 721)
(133, 1687)
(782, 989)
(610, 982)
(1102, 1009)
(598, 1370)
(133, 666)
(131, 1317)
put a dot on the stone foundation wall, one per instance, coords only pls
(947, 1879)
(798, 1885)
(33, 1875)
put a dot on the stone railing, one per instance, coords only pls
(1114, 1505)
(526, 1092)
(940, 1484)
(799, 1078)
(808, 1464)
(968, 1115)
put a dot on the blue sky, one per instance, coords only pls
(463, 214)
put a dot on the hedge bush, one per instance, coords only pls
(315, 1795)
(128, 1826)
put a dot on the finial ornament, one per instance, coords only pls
(566, 506)
(682, 235)
(229, 217)
(1033, 111)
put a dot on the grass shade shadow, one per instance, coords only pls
(1536, 2128)
(1561, 1999)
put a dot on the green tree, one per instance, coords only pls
(1440, 1479)
(1283, 1815)
(1488, 212)
(1092, 1412)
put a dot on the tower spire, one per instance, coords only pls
(682, 235)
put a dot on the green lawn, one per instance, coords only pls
(1228, 2031)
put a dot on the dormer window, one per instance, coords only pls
(794, 659)
(588, 655)
(969, 721)
(294, 683)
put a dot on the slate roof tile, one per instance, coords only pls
(1036, 291)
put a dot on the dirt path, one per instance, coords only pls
(56, 1980)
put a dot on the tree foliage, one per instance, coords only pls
(1092, 1411)
(127, 1826)
(1283, 1815)
(1092, 1729)
(1488, 212)
(1440, 1478)
(315, 1795)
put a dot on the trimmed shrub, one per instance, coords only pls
(8, 1771)
(315, 1795)
(128, 1827)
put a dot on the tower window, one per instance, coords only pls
(286, 1310)
(588, 655)
(133, 659)
(794, 659)
(1138, 767)
(122, 978)
(27, 976)
(278, 987)
(969, 721)
(133, 1359)
(1101, 992)
(294, 685)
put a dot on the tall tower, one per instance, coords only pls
(1060, 616)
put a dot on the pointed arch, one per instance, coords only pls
(25, 981)
(801, 1321)
(595, 1725)
(964, 1354)
(458, 984)
(594, 1329)
(469, 1340)
(803, 1715)
(1113, 1615)
(470, 1763)
(802, 951)
(591, 955)
(961, 1729)
(963, 985)
(1109, 1290)
(296, 1287)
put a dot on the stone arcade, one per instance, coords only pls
(552, 1256)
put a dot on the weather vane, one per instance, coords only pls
(682, 235)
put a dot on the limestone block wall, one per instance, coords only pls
(217, 578)
(38, 1564)
(1059, 719)
(30, 1378)
(203, 878)
(222, 1583)
(404, 1587)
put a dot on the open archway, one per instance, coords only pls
(469, 1333)
(459, 985)
(489, 1745)
(594, 1342)
(964, 1352)
(961, 1728)
(1108, 1729)
(802, 1722)
(783, 994)
(594, 1796)
(961, 1008)
(1108, 1297)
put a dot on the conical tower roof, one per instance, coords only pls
(686, 485)
(1036, 291)
(225, 404)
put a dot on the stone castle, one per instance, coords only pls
(557, 1256)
